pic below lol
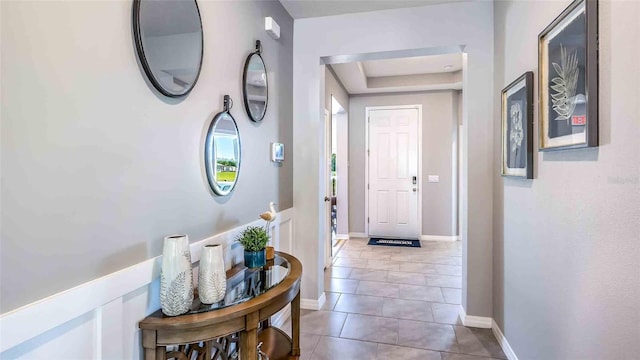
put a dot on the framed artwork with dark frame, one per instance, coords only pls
(517, 127)
(568, 86)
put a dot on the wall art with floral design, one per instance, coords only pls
(568, 66)
(517, 127)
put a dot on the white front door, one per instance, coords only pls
(393, 173)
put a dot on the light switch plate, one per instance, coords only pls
(433, 178)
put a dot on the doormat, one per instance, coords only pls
(394, 242)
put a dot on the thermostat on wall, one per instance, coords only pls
(272, 28)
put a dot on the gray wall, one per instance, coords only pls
(438, 128)
(567, 244)
(97, 167)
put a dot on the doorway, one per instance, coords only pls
(337, 198)
(393, 200)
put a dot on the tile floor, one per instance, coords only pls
(393, 303)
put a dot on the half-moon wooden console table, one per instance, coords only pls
(210, 330)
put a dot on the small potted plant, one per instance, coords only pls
(254, 239)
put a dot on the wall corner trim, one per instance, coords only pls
(475, 321)
(439, 238)
(313, 304)
(504, 344)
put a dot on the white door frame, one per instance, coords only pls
(366, 163)
(328, 258)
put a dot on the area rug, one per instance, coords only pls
(394, 242)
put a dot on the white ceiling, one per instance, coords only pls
(299, 9)
(413, 65)
(421, 73)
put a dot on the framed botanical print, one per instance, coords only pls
(568, 87)
(517, 127)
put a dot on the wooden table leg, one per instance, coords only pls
(149, 344)
(295, 326)
(249, 338)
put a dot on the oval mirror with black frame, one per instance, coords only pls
(169, 42)
(255, 85)
(222, 151)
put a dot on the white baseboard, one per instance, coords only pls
(358, 235)
(504, 344)
(475, 321)
(313, 304)
(342, 236)
(439, 238)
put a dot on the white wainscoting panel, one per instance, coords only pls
(99, 319)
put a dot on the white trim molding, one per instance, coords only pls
(313, 304)
(475, 321)
(439, 238)
(502, 340)
(358, 235)
(342, 236)
(104, 313)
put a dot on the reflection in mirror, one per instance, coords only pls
(222, 153)
(255, 85)
(169, 42)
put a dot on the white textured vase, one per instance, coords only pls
(176, 277)
(212, 279)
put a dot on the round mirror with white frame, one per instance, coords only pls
(222, 151)
(255, 85)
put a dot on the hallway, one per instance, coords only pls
(394, 303)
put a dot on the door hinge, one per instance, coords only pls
(368, 186)
(368, 152)
(367, 220)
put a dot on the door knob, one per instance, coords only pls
(327, 199)
(414, 189)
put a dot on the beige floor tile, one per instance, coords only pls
(351, 262)
(427, 335)
(394, 352)
(480, 342)
(449, 356)
(417, 267)
(383, 265)
(420, 293)
(338, 272)
(331, 348)
(340, 285)
(444, 281)
(446, 313)
(406, 278)
(360, 304)
(452, 296)
(307, 345)
(375, 288)
(407, 309)
(449, 270)
(370, 328)
(369, 275)
(348, 253)
(375, 255)
(322, 323)
(331, 300)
